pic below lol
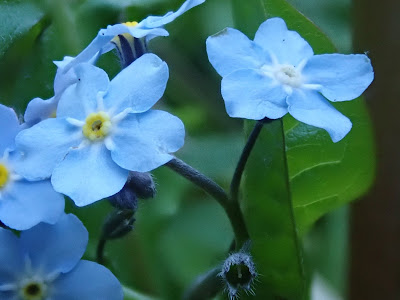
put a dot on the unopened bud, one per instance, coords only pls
(124, 199)
(138, 185)
(117, 224)
(142, 184)
(238, 272)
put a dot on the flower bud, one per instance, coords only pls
(138, 185)
(117, 224)
(238, 271)
(124, 199)
(142, 184)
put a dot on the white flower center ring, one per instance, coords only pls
(288, 75)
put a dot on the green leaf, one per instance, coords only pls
(17, 18)
(270, 218)
(296, 174)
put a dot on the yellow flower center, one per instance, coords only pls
(3, 176)
(130, 38)
(97, 126)
(130, 24)
(33, 290)
(53, 114)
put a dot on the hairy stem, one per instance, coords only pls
(231, 208)
(206, 286)
(237, 176)
(100, 251)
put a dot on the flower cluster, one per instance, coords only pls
(98, 138)
(88, 141)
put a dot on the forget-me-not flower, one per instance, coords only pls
(150, 27)
(45, 263)
(102, 131)
(23, 204)
(278, 73)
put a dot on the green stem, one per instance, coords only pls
(209, 285)
(237, 176)
(205, 287)
(231, 208)
(100, 251)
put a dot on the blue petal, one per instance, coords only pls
(80, 99)
(143, 141)
(63, 78)
(312, 108)
(287, 46)
(43, 146)
(11, 258)
(9, 125)
(342, 77)
(39, 110)
(137, 31)
(251, 95)
(88, 174)
(147, 33)
(139, 86)
(55, 248)
(25, 204)
(88, 280)
(230, 50)
(91, 50)
(156, 21)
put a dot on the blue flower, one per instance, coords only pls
(23, 204)
(45, 263)
(278, 73)
(150, 27)
(102, 130)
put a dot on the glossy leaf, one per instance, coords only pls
(296, 174)
(269, 215)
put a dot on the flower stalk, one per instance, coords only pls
(237, 176)
(231, 208)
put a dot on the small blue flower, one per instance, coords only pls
(45, 263)
(278, 73)
(102, 130)
(150, 27)
(23, 204)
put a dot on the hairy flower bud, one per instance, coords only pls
(117, 224)
(142, 184)
(238, 271)
(138, 185)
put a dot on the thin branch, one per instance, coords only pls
(237, 176)
(231, 208)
